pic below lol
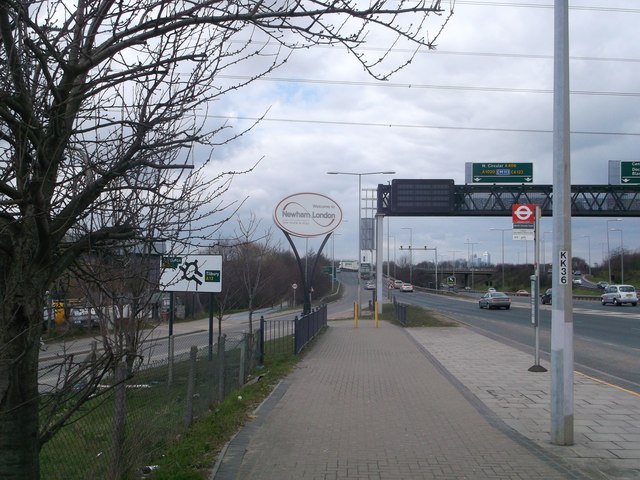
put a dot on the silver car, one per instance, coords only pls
(495, 300)
(619, 295)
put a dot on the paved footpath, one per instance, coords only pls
(376, 403)
(606, 418)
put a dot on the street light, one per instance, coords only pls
(502, 230)
(468, 243)
(453, 259)
(621, 254)
(608, 248)
(410, 253)
(544, 255)
(359, 175)
(589, 249)
(394, 255)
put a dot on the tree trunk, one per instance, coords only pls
(19, 349)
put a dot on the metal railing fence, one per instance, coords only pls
(119, 433)
(278, 336)
(400, 312)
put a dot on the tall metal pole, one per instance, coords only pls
(535, 291)
(621, 258)
(588, 250)
(471, 263)
(621, 254)
(608, 248)
(360, 174)
(502, 230)
(562, 420)
(502, 284)
(359, 239)
(410, 253)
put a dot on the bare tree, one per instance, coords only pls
(253, 253)
(103, 101)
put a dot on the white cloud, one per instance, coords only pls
(357, 125)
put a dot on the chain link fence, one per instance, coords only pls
(117, 435)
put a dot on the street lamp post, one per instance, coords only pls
(502, 230)
(453, 260)
(621, 254)
(544, 255)
(589, 250)
(410, 253)
(471, 263)
(359, 175)
(608, 247)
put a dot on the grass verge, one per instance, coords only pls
(192, 455)
(418, 317)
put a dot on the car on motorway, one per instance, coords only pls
(619, 295)
(370, 286)
(602, 284)
(495, 300)
(522, 293)
(545, 298)
(491, 290)
(397, 283)
(406, 287)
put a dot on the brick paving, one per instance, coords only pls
(373, 403)
(606, 418)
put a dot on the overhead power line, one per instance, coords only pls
(405, 125)
(425, 86)
(534, 5)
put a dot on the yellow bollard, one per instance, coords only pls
(375, 305)
(355, 315)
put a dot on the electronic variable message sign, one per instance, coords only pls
(428, 196)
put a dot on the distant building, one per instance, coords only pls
(486, 258)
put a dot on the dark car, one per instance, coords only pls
(495, 300)
(545, 298)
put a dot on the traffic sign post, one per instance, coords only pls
(535, 290)
(500, 173)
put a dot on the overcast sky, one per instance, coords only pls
(485, 95)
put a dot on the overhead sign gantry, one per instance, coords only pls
(441, 197)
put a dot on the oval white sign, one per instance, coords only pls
(307, 215)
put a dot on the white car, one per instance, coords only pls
(406, 287)
(620, 294)
(398, 283)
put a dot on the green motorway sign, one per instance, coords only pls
(630, 172)
(502, 173)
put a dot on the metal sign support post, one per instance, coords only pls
(562, 416)
(379, 262)
(535, 292)
(211, 303)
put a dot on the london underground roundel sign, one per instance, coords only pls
(307, 215)
(523, 213)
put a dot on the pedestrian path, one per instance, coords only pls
(606, 418)
(374, 403)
